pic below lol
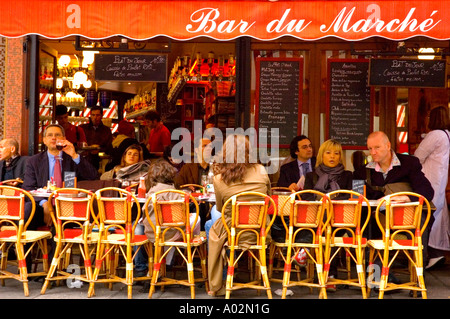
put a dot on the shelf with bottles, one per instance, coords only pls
(141, 102)
(206, 71)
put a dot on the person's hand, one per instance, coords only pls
(294, 187)
(400, 199)
(69, 149)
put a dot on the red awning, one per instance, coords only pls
(226, 20)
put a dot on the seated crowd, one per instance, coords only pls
(131, 159)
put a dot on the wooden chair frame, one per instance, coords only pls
(316, 224)
(14, 233)
(187, 247)
(116, 238)
(345, 216)
(277, 258)
(70, 209)
(257, 251)
(401, 218)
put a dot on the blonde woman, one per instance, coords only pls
(329, 173)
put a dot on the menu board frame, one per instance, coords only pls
(360, 146)
(298, 106)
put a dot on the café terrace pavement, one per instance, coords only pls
(437, 281)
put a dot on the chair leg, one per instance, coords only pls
(203, 254)
(53, 266)
(156, 269)
(320, 273)
(230, 274)
(263, 268)
(22, 268)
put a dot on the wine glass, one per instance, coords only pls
(59, 144)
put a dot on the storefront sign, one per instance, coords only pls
(408, 73)
(225, 20)
(119, 67)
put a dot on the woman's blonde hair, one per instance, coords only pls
(331, 145)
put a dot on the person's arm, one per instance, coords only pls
(426, 147)
(419, 183)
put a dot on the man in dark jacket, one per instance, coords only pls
(12, 165)
(291, 173)
(40, 169)
(388, 167)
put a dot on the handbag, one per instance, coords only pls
(389, 188)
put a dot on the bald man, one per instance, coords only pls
(389, 167)
(12, 165)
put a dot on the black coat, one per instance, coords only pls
(409, 171)
(37, 174)
(290, 173)
(18, 168)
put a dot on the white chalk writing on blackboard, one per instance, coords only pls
(280, 81)
(349, 101)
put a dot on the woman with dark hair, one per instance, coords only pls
(237, 171)
(160, 177)
(132, 155)
(433, 153)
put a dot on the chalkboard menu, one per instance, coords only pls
(349, 112)
(279, 97)
(407, 73)
(119, 67)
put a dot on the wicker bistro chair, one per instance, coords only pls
(116, 238)
(402, 220)
(14, 234)
(280, 196)
(73, 218)
(305, 216)
(173, 217)
(344, 232)
(249, 216)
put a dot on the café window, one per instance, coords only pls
(401, 120)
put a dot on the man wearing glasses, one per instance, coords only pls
(292, 174)
(50, 165)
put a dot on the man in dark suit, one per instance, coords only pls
(291, 174)
(389, 167)
(12, 165)
(40, 169)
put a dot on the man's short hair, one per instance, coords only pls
(12, 142)
(293, 147)
(152, 115)
(61, 109)
(54, 125)
(97, 108)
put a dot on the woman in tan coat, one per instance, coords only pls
(238, 172)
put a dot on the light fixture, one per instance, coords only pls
(59, 83)
(64, 61)
(423, 56)
(87, 84)
(79, 78)
(88, 58)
